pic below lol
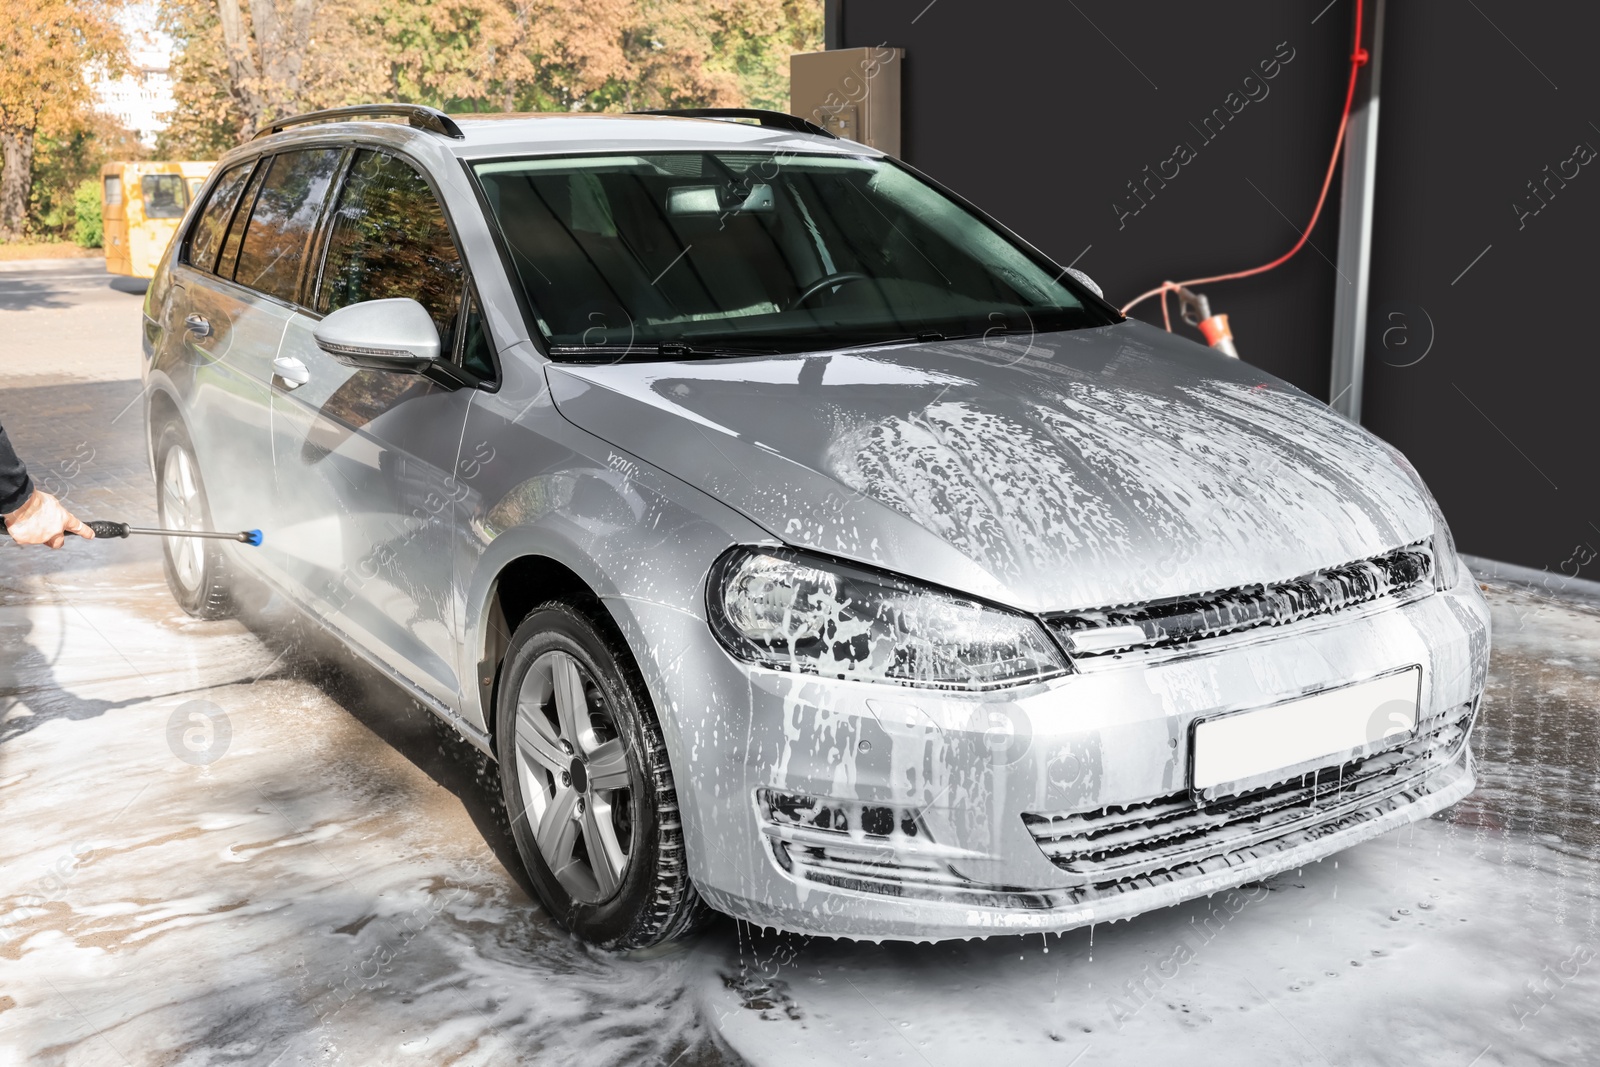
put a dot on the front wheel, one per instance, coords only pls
(587, 785)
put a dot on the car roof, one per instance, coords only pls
(567, 132)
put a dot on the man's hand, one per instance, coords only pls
(43, 521)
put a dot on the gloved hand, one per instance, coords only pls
(43, 521)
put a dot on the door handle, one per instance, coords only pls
(198, 325)
(289, 372)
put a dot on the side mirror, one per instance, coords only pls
(1086, 281)
(393, 335)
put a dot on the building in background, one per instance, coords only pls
(141, 98)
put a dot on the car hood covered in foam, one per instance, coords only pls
(1071, 470)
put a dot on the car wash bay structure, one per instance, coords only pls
(1141, 143)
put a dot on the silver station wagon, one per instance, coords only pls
(801, 543)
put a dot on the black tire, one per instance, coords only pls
(196, 569)
(653, 899)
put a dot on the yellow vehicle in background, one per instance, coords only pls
(140, 207)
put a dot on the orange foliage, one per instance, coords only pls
(244, 62)
(47, 47)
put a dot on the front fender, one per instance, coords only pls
(639, 539)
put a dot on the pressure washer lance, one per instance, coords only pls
(105, 528)
(1196, 311)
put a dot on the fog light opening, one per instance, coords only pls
(852, 818)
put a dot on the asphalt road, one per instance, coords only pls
(72, 319)
(223, 843)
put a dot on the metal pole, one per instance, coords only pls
(1355, 235)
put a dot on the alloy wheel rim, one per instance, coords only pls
(573, 769)
(180, 510)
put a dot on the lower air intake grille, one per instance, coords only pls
(1162, 623)
(1175, 836)
(877, 849)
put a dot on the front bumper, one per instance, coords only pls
(874, 811)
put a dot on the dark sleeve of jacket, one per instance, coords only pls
(15, 485)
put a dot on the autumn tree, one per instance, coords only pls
(285, 56)
(266, 53)
(239, 64)
(755, 45)
(64, 159)
(474, 55)
(207, 120)
(600, 55)
(47, 50)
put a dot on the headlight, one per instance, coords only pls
(794, 612)
(1446, 564)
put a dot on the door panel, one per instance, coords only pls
(365, 459)
(226, 353)
(218, 337)
(364, 494)
(261, 256)
(114, 220)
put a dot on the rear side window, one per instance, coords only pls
(231, 243)
(113, 191)
(206, 238)
(165, 196)
(389, 238)
(285, 210)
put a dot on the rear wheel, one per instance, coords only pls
(195, 567)
(587, 785)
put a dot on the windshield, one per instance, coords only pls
(752, 251)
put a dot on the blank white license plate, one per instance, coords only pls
(1251, 748)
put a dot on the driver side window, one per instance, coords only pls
(389, 239)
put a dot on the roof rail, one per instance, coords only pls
(423, 118)
(774, 119)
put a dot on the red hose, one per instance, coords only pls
(1358, 59)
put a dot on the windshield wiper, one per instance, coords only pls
(927, 337)
(1000, 332)
(684, 350)
(652, 352)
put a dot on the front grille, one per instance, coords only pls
(1165, 623)
(1177, 836)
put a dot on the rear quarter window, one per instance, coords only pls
(282, 218)
(229, 256)
(205, 240)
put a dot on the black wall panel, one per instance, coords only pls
(1045, 112)
(1500, 414)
